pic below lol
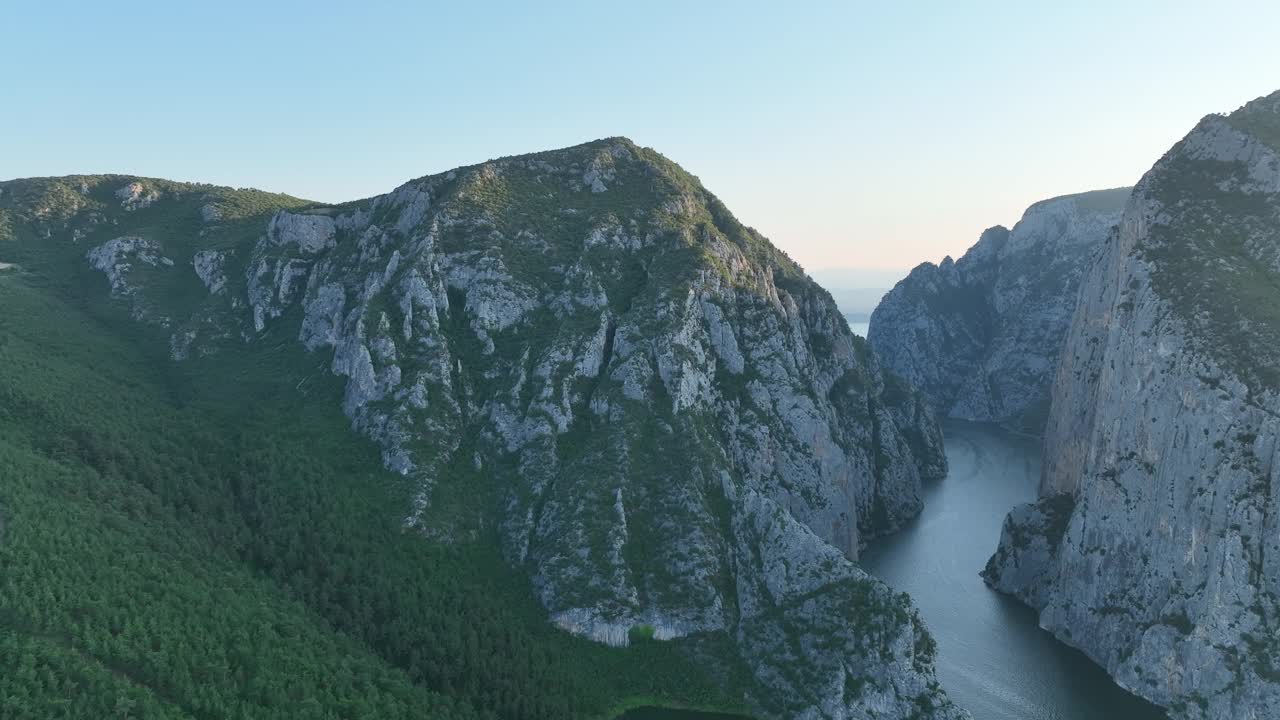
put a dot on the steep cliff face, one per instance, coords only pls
(669, 425)
(980, 336)
(1156, 546)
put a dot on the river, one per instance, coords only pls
(993, 658)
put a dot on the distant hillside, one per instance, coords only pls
(980, 336)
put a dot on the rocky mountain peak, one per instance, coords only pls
(582, 355)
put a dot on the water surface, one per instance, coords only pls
(993, 658)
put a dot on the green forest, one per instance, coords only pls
(208, 539)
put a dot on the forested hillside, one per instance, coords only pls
(209, 540)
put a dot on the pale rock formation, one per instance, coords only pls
(1155, 548)
(980, 336)
(135, 196)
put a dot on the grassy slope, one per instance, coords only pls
(208, 539)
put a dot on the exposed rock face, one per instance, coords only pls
(136, 196)
(669, 424)
(115, 259)
(309, 234)
(980, 336)
(124, 260)
(1156, 548)
(209, 267)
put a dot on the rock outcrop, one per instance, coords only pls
(669, 424)
(1155, 548)
(136, 196)
(980, 336)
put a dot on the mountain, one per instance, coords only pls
(1155, 546)
(980, 336)
(607, 447)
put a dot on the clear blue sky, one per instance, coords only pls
(853, 134)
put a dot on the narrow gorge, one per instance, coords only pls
(381, 362)
(1139, 341)
(566, 411)
(1154, 546)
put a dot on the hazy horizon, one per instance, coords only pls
(853, 136)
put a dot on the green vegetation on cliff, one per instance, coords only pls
(210, 540)
(1213, 248)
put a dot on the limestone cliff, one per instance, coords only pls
(668, 424)
(980, 336)
(1156, 545)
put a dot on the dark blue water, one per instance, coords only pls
(993, 658)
